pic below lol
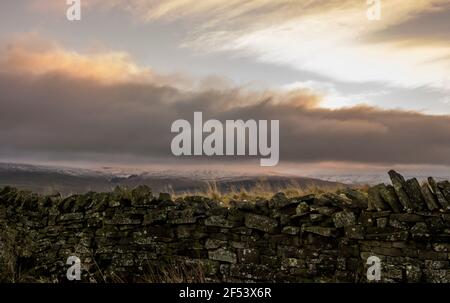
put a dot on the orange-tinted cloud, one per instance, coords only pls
(36, 57)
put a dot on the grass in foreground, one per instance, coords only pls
(262, 190)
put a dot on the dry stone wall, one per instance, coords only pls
(132, 235)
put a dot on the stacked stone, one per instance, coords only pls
(133, 235)
(409, 195)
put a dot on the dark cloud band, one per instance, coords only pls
(71, 119)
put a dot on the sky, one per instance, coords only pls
(349, 92)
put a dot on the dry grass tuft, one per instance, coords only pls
(262, 190)
(174, 272)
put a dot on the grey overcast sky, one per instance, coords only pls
(317, 61)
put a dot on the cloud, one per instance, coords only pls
(36, 56)
(335, 42)
(55, 114)
(330, 96)
(408, 48)
(30, 54)
(429, 26)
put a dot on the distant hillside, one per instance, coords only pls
(49, 179)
